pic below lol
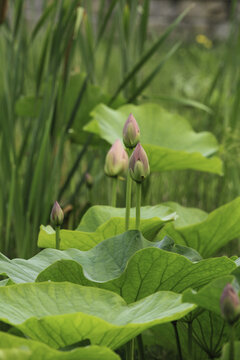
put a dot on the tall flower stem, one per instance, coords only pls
(138, 204)
(114, 191)
(174, 323)
(231, 342)
(130, 350)
(128, 200)
(57, 237)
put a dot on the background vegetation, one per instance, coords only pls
(52, 75)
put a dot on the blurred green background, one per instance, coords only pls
(61, 59)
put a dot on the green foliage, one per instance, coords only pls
(225, 353)
(98, 215)
(209, 334)
(67, 83)
(209, 296)
(169, 140)
(14, 347)
(207, 233)
(44, 96)
(61, 314)
(90, 234)
(146, 272)
(102, 263)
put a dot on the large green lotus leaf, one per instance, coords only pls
(204, 232)
(100, 214)
(26, 349)
(168, 139)
(105, 261)
(209, 333)
(61, 314)
(93, 231)
(148, 271)
(14, 354)
(102, 263)
(209, 296)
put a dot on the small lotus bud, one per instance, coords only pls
(89, 180)
(229, 304)
(131, 132)
(116, 162)
(57, 215)
(138, 164)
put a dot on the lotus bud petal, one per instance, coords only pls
(138, 164)
(57, 215)
(229, 304)
(89, 180)
(131, 132)
(116, 162)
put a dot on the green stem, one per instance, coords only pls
(128, 200)
(190, 340)
(140, 347)
(57, 237)
(138, 205)
(130, 350)
(231, 342)
(114, 191)
(174, 323)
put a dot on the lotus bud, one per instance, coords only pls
(138, 164)
(230, 305)
(131, 132)
(89, 180)
(116, 162)
(57, 215)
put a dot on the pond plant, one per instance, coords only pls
(132, 282)
(123, 275)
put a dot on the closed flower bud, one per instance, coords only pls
(57, 215)
(116, 162)
(230, 305)
(131, 132)
(89, 180)
(138, 164)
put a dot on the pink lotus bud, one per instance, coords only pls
(116, 162)
(57, 215)
(131, 132)
(229, 304)
(89, 180)
(138, 164)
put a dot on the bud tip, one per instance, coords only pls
(131, 132)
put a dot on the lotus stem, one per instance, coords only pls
(57, 237)
(128, 200)
(231, 342)
(114, 191)
(138, 205)
(130, 350)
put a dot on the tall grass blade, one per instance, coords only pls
(149, 53)
(152, 75)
